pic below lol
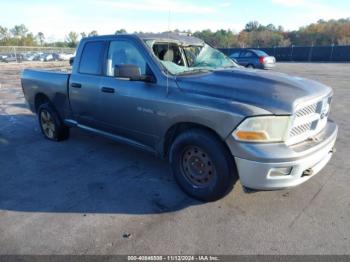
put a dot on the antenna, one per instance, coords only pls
(167, 72)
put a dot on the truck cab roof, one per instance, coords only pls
(183, 39)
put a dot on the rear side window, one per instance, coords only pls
(235, 54)
(247, 54)
(260, 53)
(92, 57)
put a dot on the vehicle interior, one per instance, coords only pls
(179, 58)
(169, 52)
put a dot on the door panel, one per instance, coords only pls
(85, 99)
(129, 107)
(246, 57)
(131, 110)
(84, 84)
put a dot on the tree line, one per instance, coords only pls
(331, 32)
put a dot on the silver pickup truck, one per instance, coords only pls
(179, 98)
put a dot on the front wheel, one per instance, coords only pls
(202, 165)
(50, 123)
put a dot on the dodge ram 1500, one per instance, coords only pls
(183, 100)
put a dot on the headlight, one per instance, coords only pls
(263, 129)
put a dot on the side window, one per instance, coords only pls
(92, 57)
(124, 53)
(235, 54)
(247, 54)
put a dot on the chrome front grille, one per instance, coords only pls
(299, 130)
(309, 120)
(306, 110)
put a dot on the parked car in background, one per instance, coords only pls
(29, 56)
(13, 58)
(2, 57)
(47, 57)
(64, 57)
(253, 58)
(35, 56)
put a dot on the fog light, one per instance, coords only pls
(280, 171)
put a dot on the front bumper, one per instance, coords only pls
(256, 162)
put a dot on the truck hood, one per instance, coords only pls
(275, 92)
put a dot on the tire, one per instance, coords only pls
(250, 66)
(50, 123)
(202, 165)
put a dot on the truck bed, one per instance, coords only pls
(52, 84)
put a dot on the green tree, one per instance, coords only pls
(19, 31)
(252, 26)
(93, 33)
(253, 35)
(4, 33)
(28, 40)
(120, 31)
(41, 38)
(72, 39)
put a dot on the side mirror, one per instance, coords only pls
(127, 71)
(131, 72)
(71, 61)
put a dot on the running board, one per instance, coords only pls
(120, 139)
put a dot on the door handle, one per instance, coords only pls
(76, 85)
(107, 89)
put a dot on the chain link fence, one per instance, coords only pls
(332, 53)
(18, 54)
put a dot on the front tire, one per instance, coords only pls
(50, 123)
(202, 165)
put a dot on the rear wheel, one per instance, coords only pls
(250, 66)
(202, 165)
(50, 124)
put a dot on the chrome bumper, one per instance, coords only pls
(257, 163)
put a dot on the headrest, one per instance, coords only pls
(169, 55)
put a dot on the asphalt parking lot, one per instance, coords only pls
(89, 195)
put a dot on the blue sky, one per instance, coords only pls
(56, 18)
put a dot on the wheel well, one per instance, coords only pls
(177, 129)
(39, 100)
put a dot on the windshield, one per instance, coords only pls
(191, 59)
(260, 53)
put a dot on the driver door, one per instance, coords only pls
(128, 107)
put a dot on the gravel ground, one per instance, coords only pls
(89, 195)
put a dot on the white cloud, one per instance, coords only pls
(55, 27)
(290, 2)
(225, 4)
(55, 20)
(160, 6)
(313, 6)
(309, 11)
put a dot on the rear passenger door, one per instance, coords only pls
(85, 84)
(246, 57)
